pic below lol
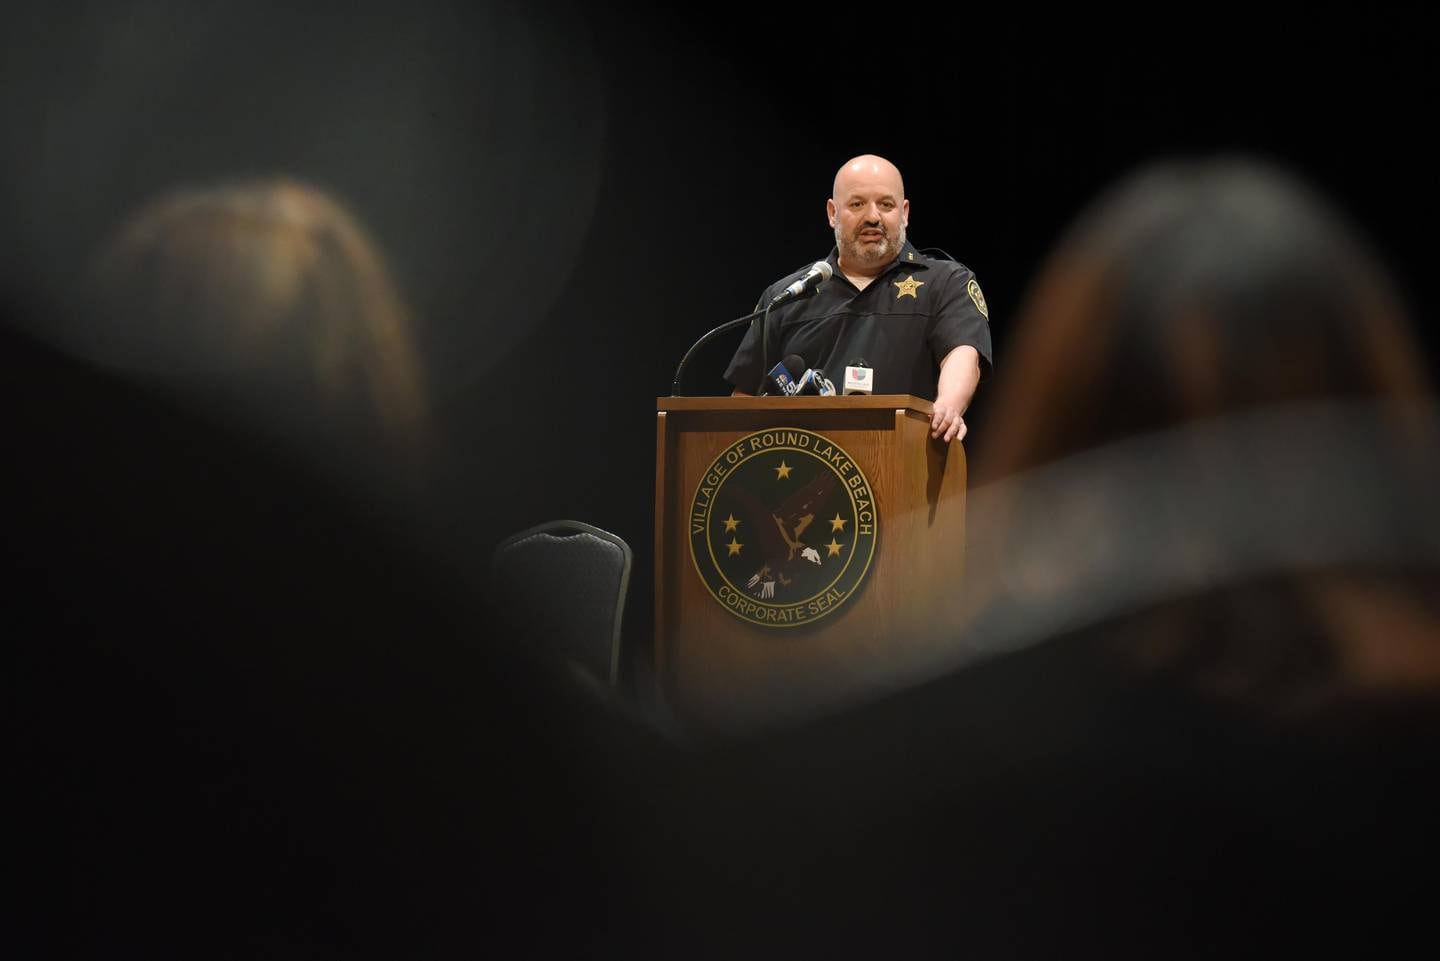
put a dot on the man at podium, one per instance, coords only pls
(921, 323)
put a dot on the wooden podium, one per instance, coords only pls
(721, 666)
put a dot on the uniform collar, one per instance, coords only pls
(909, 259)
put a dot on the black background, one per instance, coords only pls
(571, 195)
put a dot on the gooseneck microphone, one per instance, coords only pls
(801, 289)
(818, 274)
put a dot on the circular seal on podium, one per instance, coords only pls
(783, 527)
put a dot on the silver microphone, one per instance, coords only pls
(818, 274)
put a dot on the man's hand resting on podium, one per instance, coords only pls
(959, 376)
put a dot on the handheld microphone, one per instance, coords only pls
(781, 378)
(815, 383)
(859, 377)
(818, 274)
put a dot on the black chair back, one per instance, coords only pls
(563, 584)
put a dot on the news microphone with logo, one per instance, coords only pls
(782, 377)
(859, 378)
(814, 382)
(817, 275)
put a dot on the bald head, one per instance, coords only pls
(869, 213)
(866, 168)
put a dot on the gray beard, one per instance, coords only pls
(852, 251)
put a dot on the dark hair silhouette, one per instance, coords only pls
(1192, 289)
(1221, 319)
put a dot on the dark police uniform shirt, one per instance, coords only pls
(903, 324)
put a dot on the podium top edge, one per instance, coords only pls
(811, 402)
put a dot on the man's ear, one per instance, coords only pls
(905, 213)
(830, 210)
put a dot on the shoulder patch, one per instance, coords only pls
(973, 289)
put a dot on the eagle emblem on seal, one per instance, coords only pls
(783, 527)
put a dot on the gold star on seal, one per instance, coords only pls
(731, 523)
(734, 547)
(837, 523)
(834, 548)
(782, 472)
(908, 286)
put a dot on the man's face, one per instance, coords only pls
(869, 214)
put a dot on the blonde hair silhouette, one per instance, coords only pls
(269, 289)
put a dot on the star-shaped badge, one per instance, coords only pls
(782, 472)
(908, 286)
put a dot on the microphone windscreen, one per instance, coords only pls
(780, 381)
(826, 271)
(815, 383)
(859, 378)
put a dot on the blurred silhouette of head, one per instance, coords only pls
(267, 297)
(1193, 289)
(1216, 411)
